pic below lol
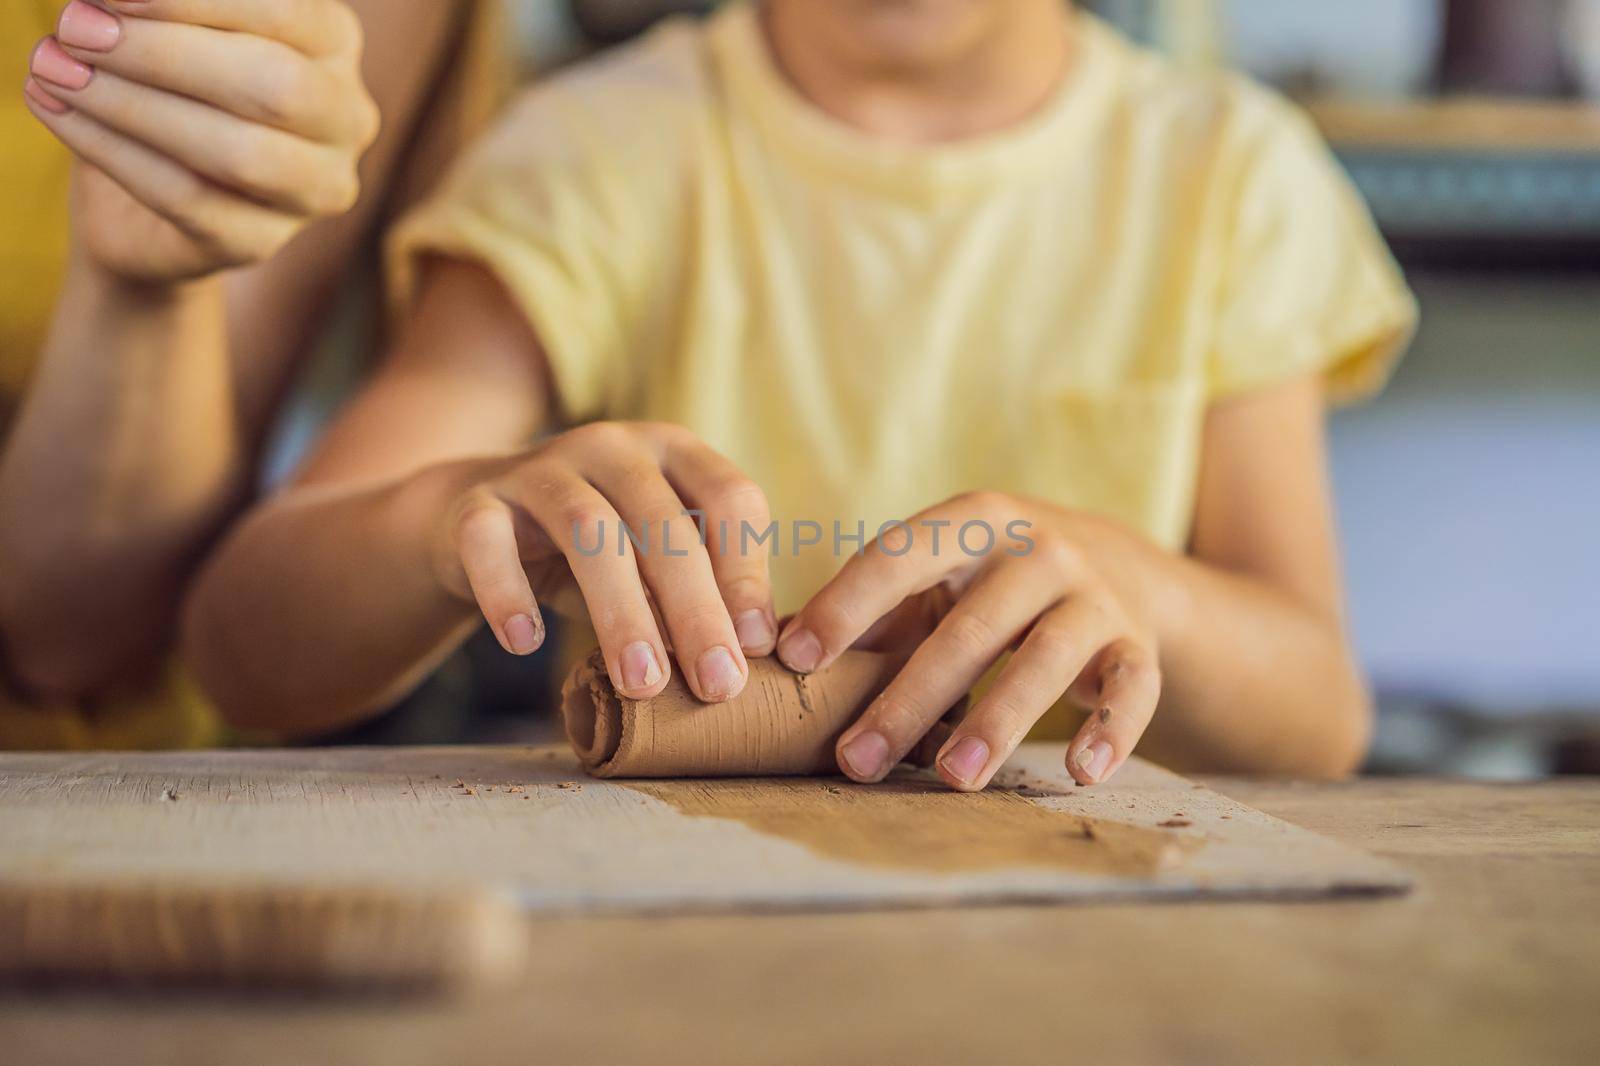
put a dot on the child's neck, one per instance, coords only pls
(991, 81)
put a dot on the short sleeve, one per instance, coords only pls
(559, 204)
(1308, 285)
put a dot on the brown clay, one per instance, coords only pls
(908, 822)
(782, 723)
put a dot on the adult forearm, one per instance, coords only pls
(122, 460)
(321, 609)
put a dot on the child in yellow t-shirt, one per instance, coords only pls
(842, 271)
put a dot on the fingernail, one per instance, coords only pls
(522, 634)
(1093, 760)
(800, 650)
(865, 755)
(966, 760)
(55, 66)
(718, 673)
(754, 630)
(37, 94)
(88, 27)
(639, 667)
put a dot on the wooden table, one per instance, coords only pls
(1494, 958)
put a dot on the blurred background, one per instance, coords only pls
(1469, 493)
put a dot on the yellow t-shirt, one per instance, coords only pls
(869, 328)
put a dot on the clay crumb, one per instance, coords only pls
(1175, 823)
(514, 789)
(834, 790)
(469, 791)
(460, 783)
(170, 796)
(489, 788)
(572, 786)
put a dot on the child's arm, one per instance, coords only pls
(1241, 642)
(423, 507)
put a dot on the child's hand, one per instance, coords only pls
(213, 130)
(1060, 584)
(555, 515)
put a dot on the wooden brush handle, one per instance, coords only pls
(257, 933)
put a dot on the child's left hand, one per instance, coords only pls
(1066, 591)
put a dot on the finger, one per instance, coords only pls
(486, 541)
(993, 613)
(240, 231)
(911, 558)
(678, 571)
(734, 512)
(315, 27)
(1130, 688)
(38, 97)
(910, 622)
(276, 168)
(1056, 650)
(254, 78)
(584, 527)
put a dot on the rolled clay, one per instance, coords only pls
(782, 723)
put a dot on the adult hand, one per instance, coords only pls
(210, 131)
(965, 582)
(541, 522)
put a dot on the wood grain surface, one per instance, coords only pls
(1493, 958)
(528, 822)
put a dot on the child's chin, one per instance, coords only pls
(913, 34)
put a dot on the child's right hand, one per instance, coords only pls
(533, 523)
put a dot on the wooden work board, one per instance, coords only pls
(525, 821)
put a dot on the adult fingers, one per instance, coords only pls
(734, 513)
(275, 168)
(574, 517)
(907, 559)
(240, 231)
(998, 608)
(255, 78)
(1056, 650)
(486, 541)
(1130, 688)
(315, 27)
(676, 567)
